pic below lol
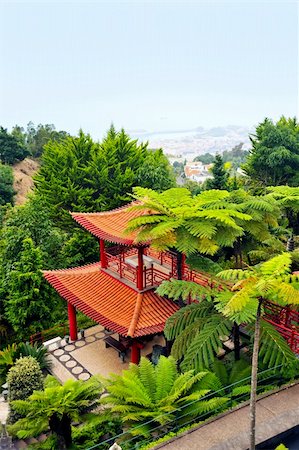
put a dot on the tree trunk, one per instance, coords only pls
(236, 333)
(62, 428)
(254, 371)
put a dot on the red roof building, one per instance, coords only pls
(119, 291)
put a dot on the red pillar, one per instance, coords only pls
(72, 321)
(183, 265)
(103, 256)
(140, 269)
(135, 353)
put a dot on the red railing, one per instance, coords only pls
(117, 264)
(45, 335)
(152, 276)
(291, 335)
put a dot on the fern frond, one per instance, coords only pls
(165, 376)
(206, 344)
(277, 266)
(185, 317)
(176, 289)
(274, 349)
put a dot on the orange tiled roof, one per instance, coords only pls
(109, 225)
(110, 302)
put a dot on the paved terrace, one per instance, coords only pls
(276, 413)
(89, 356)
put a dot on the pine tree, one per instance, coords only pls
(220, 175)
(28, 306)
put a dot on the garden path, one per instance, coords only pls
(276, 413)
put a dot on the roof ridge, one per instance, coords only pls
(111, 211)
(70, 269)
(136, 314)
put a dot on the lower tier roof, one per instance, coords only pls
(111, 303)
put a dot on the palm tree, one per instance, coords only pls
(273, 281)
(56, 407)
(149, 397)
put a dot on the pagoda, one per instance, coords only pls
(118, 292)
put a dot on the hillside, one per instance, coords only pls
(23, 182)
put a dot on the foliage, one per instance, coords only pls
(37, 351)
(194, 187)
(274, 156)
(32, 221)
(155, 171)
(159, 394)
(236, 156)
(8, 357)
(78, 174)
(190, 224)
(6, 185)
(206, 158)
(288, 199)
(56, 407)
(272, 280)
(37, 137)
(95, 429)
(197, 328)
(220, 175)
(27, 307)
(23, 378)
(11, 149)
(12, 353)
(199, 342)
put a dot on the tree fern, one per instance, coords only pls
(171, 393)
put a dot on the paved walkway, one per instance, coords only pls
(89, 356)
(275, 414)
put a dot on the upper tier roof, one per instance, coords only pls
(110, 225)
(111, 303)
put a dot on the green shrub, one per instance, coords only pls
(37, 351)
(23, 378)
(96, 429)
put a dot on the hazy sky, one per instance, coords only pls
(147, 65)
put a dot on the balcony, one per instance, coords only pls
(122, 263)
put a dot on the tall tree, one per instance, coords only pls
(220, 175)
(11, 149)
(38, 137)
(28, 305)
(6, 184)
(273, 281)
(274, 156)
(78, 174)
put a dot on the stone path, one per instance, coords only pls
(89, 356)
(276, 413)
(64, 355)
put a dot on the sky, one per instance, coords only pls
(160, 65)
